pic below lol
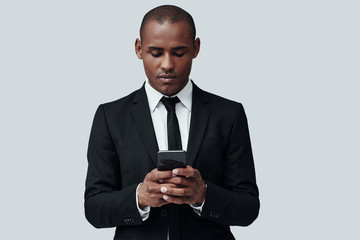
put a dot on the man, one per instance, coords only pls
(124, 188)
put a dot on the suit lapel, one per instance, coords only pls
(142, 117)
(199, 119)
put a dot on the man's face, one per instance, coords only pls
(167, 51)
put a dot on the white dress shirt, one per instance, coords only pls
(159, 114)
(159, 119)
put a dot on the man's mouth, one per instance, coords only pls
(167, 77)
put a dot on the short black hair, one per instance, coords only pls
(170, 13)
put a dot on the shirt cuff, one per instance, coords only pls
(198, 208)
(144, 214)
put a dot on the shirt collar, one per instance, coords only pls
(185, 95)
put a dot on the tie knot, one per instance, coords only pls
(170, 103)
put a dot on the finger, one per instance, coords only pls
(156, 188)
(151, 199)
(179, 181)
(186, 172)
(156, 175)
(180, 192)
(158, 202)
(176, 200)
(153, 188)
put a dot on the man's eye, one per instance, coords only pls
(155, 54)
(179, 54)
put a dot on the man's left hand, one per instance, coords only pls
(185, 187)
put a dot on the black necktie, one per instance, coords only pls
(174, 142)
(174, 137)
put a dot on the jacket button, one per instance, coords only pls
(129, 221)
(214, 214)
(163, 213)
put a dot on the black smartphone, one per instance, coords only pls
(170, 159)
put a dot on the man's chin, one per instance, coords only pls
(168, 91)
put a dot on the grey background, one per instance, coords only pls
(293, 64)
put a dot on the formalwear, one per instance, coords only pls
(123, 148)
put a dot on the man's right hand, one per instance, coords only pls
(149, 193)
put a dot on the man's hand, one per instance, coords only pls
(149, 193)
(186, 186)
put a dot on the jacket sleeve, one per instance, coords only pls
(235, 201)
(106, 203)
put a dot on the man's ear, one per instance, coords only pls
(196, 47)
(138, 48)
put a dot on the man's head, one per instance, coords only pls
(170, 13)
(167, 48)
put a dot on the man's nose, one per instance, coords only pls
(167, 63)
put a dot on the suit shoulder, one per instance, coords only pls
(220, 101)
(120, 103)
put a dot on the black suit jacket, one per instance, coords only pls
(123, 149)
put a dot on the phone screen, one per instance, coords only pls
(170, 159)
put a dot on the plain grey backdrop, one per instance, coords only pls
(293, 64)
